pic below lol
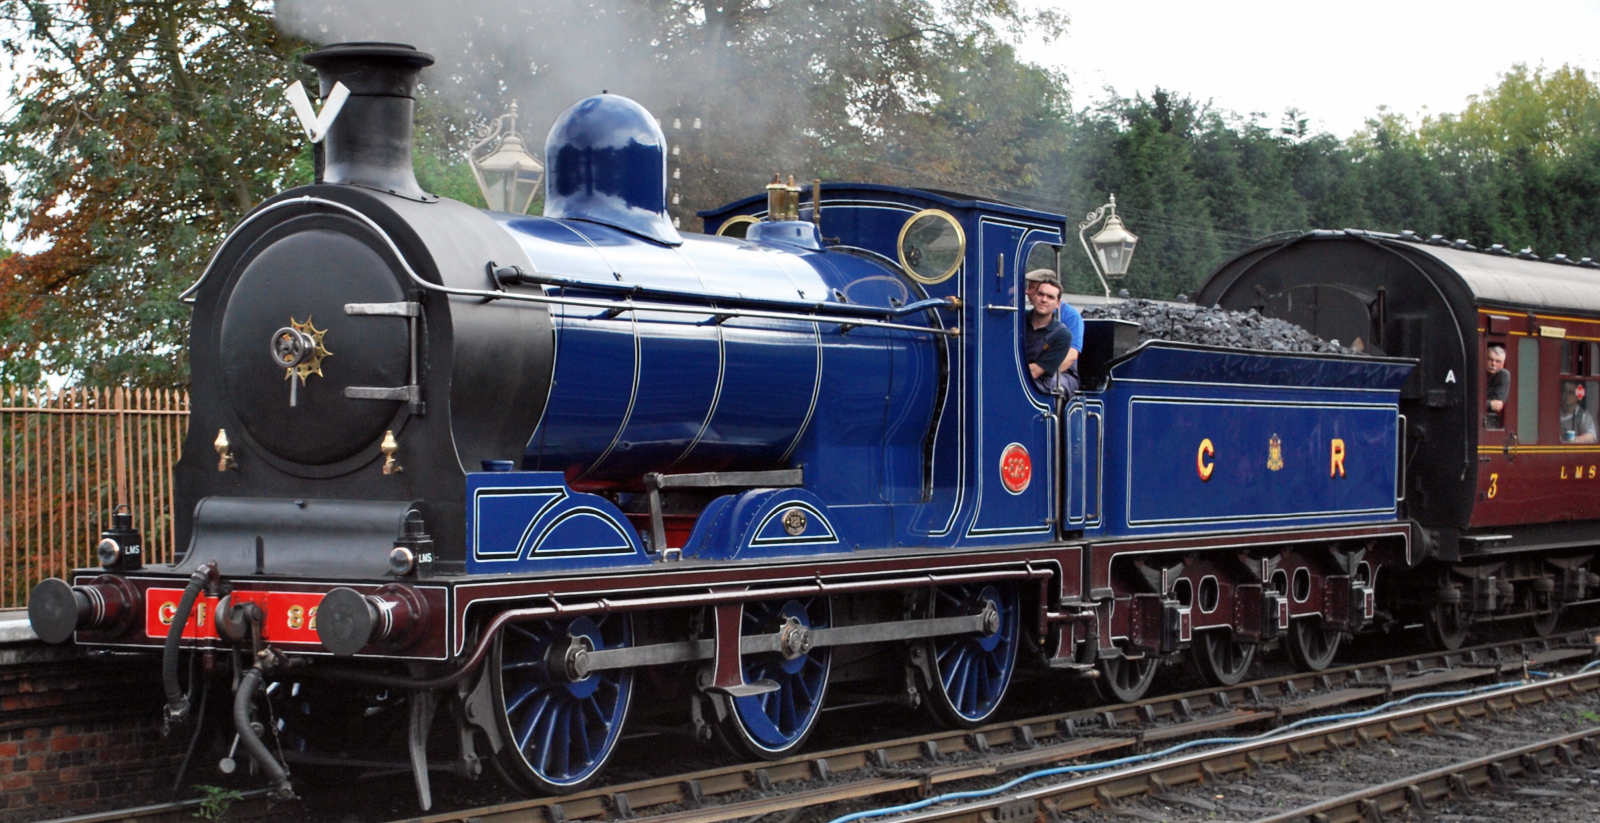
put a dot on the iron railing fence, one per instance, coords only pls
(67, 459)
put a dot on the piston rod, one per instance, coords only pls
(986, 621)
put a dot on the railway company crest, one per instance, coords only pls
(1016, 468)
(1274, 453)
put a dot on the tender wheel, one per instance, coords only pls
(1310, 648)
(1447, 626)
(776, 723)
(1220, 661)
(559, 727)
(972, 671)
(1122, 680)
(1543, 623)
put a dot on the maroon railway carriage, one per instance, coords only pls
(1508, 502)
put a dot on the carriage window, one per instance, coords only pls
(1580, 398)
(1579, 359)
(1497, 387)
(1528, 390)
(1576, 415)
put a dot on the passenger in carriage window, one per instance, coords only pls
(1577, 423)
(1071, 319)
(1499, 386)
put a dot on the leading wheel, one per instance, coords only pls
(1220, 661)
(1310, 648)
(972, 671)
(558, 722)
(1447, 626)
(775, 723)
(1122, 680)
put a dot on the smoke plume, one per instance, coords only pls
(674, 58)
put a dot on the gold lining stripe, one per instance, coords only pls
(1537, 317)
(1552, 337)
(1589, 448)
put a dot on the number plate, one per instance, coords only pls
(291, 616)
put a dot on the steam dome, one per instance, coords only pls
(606, 162)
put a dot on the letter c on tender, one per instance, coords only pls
(1200, 465)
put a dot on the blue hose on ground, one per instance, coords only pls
(1170, 750)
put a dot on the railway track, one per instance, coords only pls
(1458, 780)
(1113, 786)
(926, 764)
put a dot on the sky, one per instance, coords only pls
(1336, 62)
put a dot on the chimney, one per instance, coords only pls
(369, 143)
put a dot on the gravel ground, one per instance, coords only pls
(643, 755)
(1564, 795)
(1217, 327)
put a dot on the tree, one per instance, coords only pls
(141, 132)
(1517, 167)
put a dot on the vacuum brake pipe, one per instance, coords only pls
(177, 700)
(606, 606)
(252, 741)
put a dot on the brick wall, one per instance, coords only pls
(81, 733)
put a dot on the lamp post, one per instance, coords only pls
(1112, 245)
(507, 174)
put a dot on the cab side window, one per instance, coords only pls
(1044, 256)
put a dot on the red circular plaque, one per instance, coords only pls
(1016, 468)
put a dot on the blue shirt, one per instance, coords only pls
(1074, 323)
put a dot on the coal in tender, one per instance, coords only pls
(1184, 323)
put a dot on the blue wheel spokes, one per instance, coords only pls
(778, 720)
(973, 677)
(564, 731)
(532, 715)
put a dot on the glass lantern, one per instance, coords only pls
(507, 175)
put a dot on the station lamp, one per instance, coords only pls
(507, 174)
(1110, 249)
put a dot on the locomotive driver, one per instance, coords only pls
(1047, 341)
(1069, 317)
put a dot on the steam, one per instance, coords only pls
(547, 54)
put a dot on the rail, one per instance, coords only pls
(1458, 779)
(67, 458)
(922, 763)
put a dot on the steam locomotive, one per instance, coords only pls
(544, 474)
